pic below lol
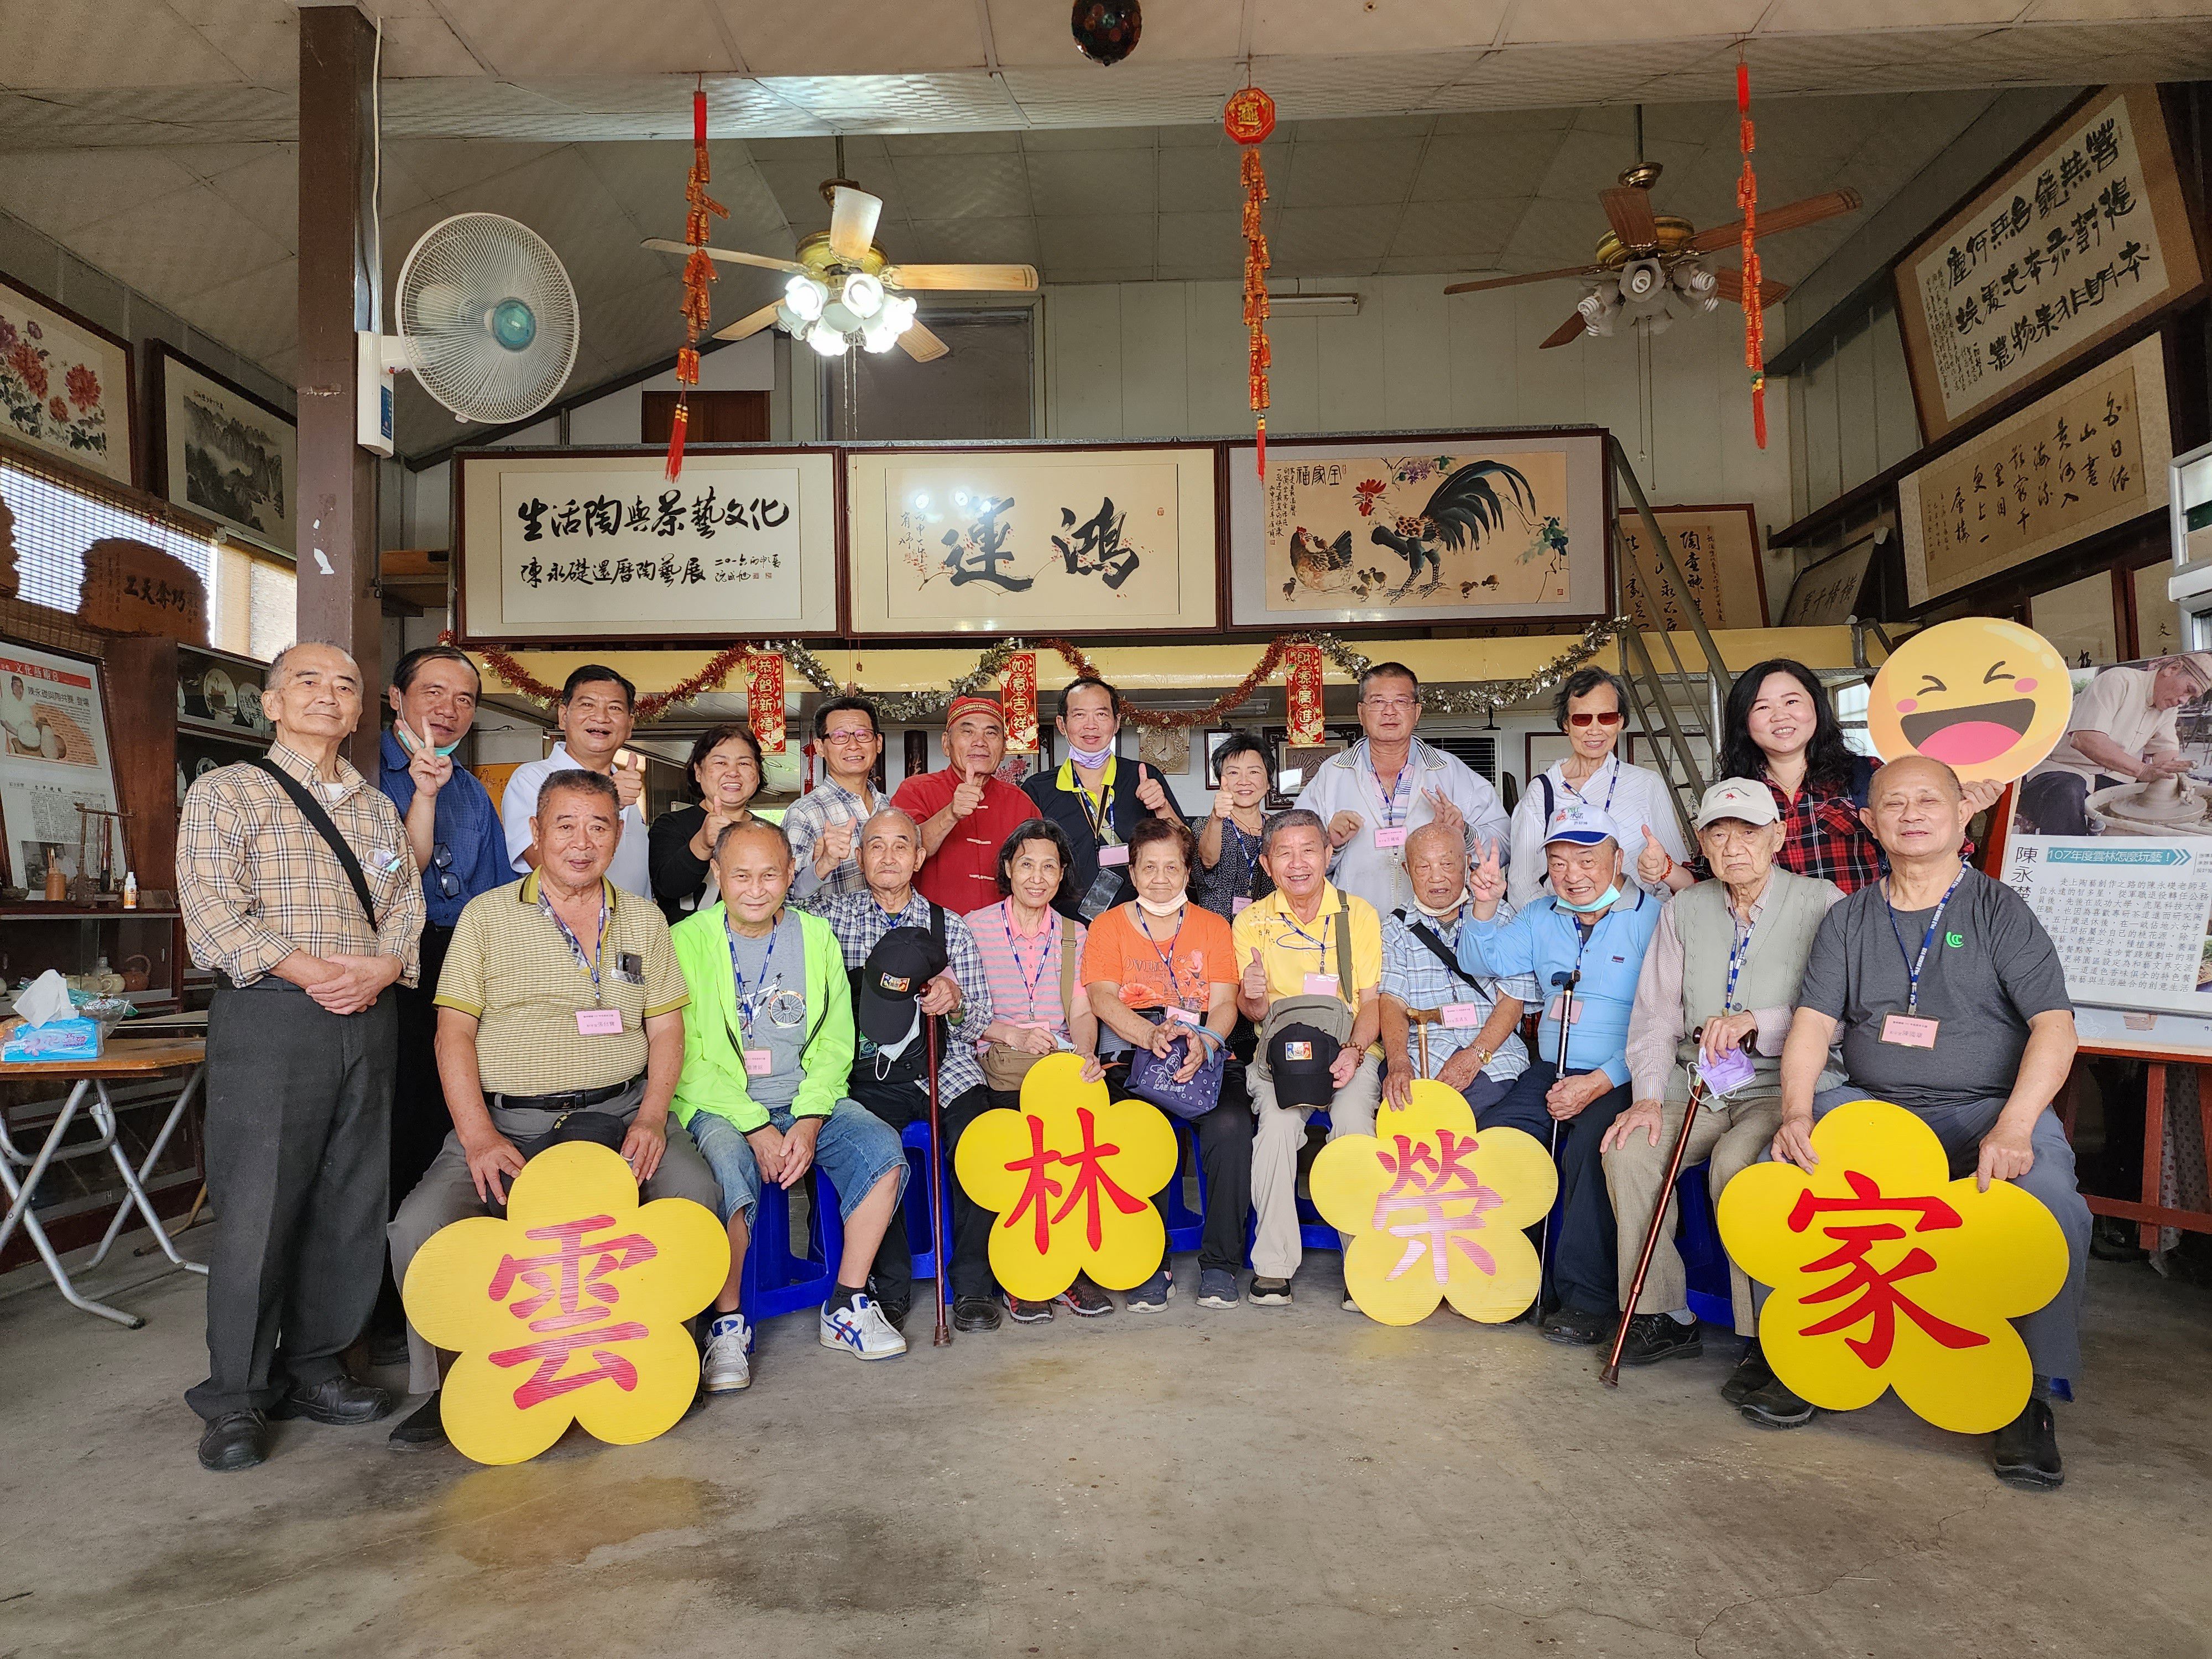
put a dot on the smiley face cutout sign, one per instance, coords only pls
(1986, 697)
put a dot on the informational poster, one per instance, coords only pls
(2085, 234)
(53, 757)
(2132, 918)
(598, 544)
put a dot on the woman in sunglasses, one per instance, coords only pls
(1591, 708)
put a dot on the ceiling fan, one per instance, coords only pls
(842, 292)
(1650, 267)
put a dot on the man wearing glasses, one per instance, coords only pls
(454, 831)
(824, 824)
(1388, 785)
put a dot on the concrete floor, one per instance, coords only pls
(1271, 1482)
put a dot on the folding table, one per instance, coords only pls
(133, 1059)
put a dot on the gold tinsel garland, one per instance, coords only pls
(912, 707)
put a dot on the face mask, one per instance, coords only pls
(411, 742)
(1611, 896)
(1163, 910)
(1090, 759)
(1434, 914)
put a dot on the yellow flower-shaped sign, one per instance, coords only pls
(1071, 1176)
(571, 1310)
(1886, 1274)
(1436, 1210)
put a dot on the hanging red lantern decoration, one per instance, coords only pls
(1303, 722)
(1249, 117)
(1755, 316)
(698, 272)
(764, 699)
(1018, 701)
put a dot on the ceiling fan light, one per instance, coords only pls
(863, 294)
(838, 316)
(789, 320)
(879, 336)
(904, 307)
(805, 296)
(826, 341)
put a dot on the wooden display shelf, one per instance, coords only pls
(2148, 1213)
(192, 726)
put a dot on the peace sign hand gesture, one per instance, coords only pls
(1485, 883)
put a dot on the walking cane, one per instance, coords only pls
(1611, 1374)
(1567, 982)
(940, 1221)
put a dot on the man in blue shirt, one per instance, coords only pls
(454, 831)
(1585, 941)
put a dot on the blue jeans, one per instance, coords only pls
(1584, 1273)
(855, 1149)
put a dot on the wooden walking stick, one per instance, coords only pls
(1611, 1374)
(941, 1220)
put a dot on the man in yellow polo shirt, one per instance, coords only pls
(1312, 983)
(560, 1018)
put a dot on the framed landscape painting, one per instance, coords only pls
(222, 451)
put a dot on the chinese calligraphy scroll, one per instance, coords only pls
(2085, 458)
(1018, 697)
(2084, 235)
(1302, 695)
(1717, 551)
(764, 699)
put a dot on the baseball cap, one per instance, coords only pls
(972, 705)
(1737, 798)
(1298, 1059)
(891, 981)
(1581, 823)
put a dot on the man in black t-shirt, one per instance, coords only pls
(1947, 999)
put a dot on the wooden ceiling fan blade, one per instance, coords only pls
(1567, 332)
(1628, 210)
(974, 279)
(1773, 222)
(853, 216)
(919, 343)
(748, 326)
(1729, 286)
(1585, 272)
(728, 256)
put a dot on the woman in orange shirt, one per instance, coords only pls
(1161, 971)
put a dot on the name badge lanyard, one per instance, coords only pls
(1098, 810)
(1030, 981)
(747, 1004)
(1615, 760)
(1913, 964)
(1321, 946)
(576, 945)
(1243, 852)
(1167, 957)
(1402, 789)
(1738, 954)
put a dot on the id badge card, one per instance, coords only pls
(1906, 1032)
(1114, 854)
(1180, 1016)
(758, 1062)
(1461, 1016)
(1391, 837)
(1725, 1075)
(1239, 905)
(1557, 1007)
(1321, 985)
(600, 1022)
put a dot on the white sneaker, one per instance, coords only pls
(724, 1368)
(861, 1330)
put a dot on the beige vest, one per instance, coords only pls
(1772, 968)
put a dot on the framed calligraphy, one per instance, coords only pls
(2084, 234)
(586, 545)
(1420, 528)
(1828, 594)
(1717, 549)
(1031, 539)
(2093, 454)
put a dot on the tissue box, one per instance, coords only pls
(57, 1039)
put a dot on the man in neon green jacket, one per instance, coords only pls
(766, 1053)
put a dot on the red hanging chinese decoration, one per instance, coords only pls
(1249, 117)
(1302, 696)
(1017, 699)
(764, 699)
(698, 272)
(1754, 317)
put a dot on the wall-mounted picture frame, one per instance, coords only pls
(227, 453)
(1032, 539)
(1828, 594)
(1716, 548)
(1417, 529)
(1294, 765)
(582, 546)
(55, 755)
(66, 385)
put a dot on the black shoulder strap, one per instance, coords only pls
(936, 922)
(1428, 935)
(311, 809)
(1544, 782)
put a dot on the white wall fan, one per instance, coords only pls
(486, 320)
(842, 293)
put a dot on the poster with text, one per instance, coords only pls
(53, 756)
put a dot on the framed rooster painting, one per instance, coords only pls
(1419, 529)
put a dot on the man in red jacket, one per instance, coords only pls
(966, 811)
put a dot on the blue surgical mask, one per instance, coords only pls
(1611, 896)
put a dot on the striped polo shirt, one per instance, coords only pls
(1013, 961)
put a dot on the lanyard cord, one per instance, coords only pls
(1051, 938)
(1167, 957)
(745, 1003)
(1612, 760)
(1400, 786)
(1739, 953)
(575, 945)
(1913, 964)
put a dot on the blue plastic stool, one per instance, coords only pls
(921, 1242)
(1704, 1261)
(775, 1281)
(1186, 1226)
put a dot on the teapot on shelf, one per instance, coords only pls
(139, 977)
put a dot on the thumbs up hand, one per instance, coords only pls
(1254, 985)
(1654, 862)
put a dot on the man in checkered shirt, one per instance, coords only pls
(824, 824)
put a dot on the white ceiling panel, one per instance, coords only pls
(526, 41)
(1215, 240)
(1346, 240)
(1194, 178)
(114, 43)
(256, 314)
(1105, 182)
(966, 241)
(951, 186)
(62, 191)
(1536, 22)
(266, 191)
(1094, 241)
(1297, 27)
(179, 245)
(1494, 167)
(931, 35)
(1354, 175)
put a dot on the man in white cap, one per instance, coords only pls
(2123, 727)
(1584, 942)
(1714, 1002)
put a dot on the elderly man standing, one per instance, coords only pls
(1715, 997)
(1472, 1025)
(824, 823)
(298, 890)
(1948, 999)
(560, 1018)
(1312, 978)
(967, 810)
(2125, 726)
(1097, 800)
(1585, 945)
(1388, 784)
(595, 714)
(931, 947)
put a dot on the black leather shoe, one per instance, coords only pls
(975, 1313)
(1751, 1373)
(337, 1400)
(2024, 1452)
(422, 1429)
(1575, 1327)
(1654, 1337)
(1775, 1406)
(236, 1440)
(387, 1348)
